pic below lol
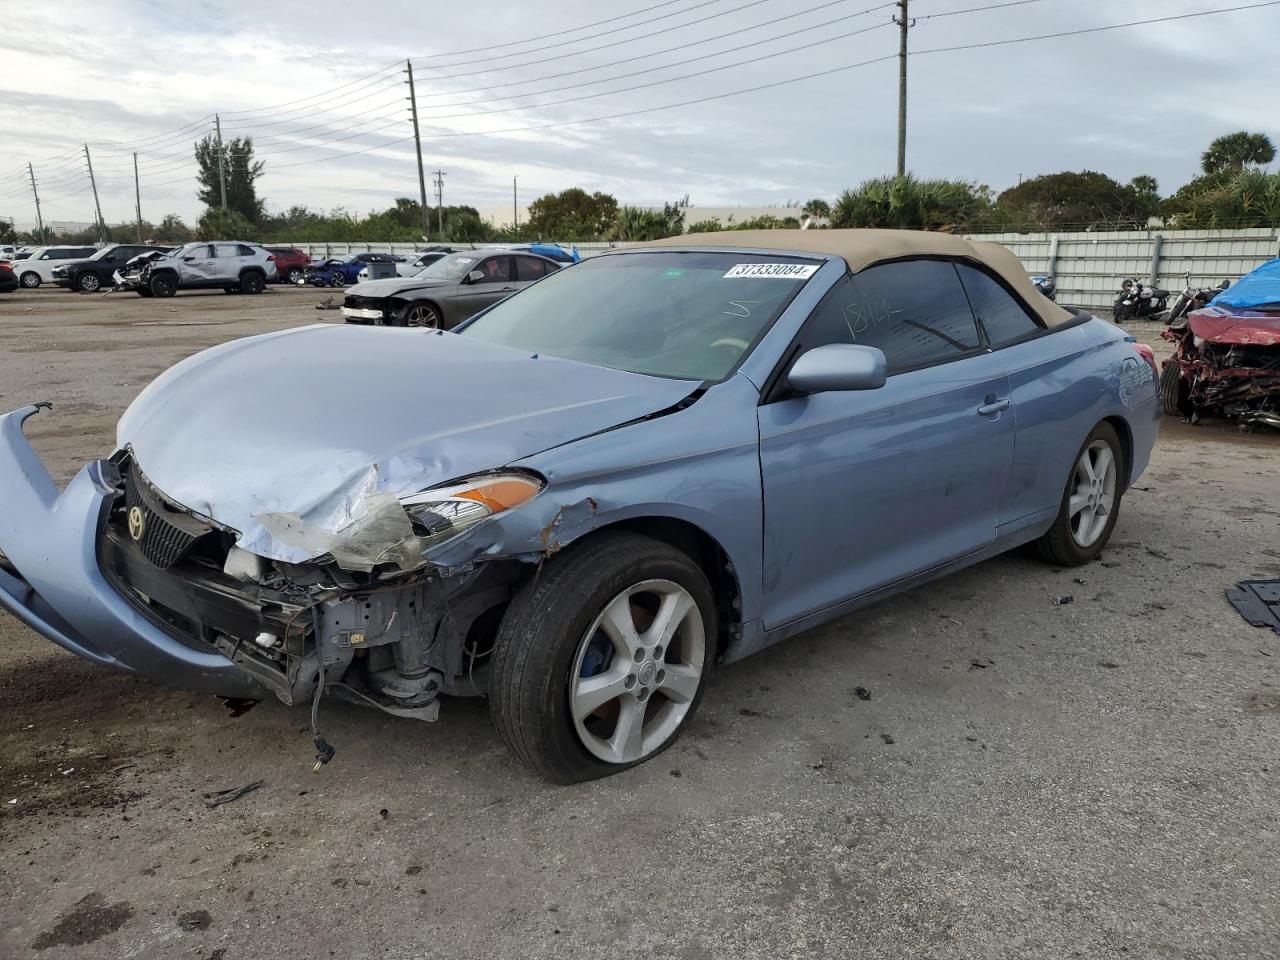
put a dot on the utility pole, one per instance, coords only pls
(222, 176)
(137, 195)
(102, 226)
(417, 142)
(440, 201)
(904, 24)
(36, 193)
(515, 203)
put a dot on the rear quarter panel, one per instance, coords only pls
(1062, 385)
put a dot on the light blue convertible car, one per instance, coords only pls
(577, 503)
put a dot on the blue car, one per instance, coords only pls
(340, 273)
(581, 500)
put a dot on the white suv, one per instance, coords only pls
(38, 268)
(234, 266)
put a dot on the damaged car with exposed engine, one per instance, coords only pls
(1226, 360)
(587, 497)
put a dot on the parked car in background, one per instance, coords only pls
(39, 266)
(98, 272)
(581, 502)
(8, 279)
(412, 266)
(334, 272)
(291, 263)
(448, 291)
(7, 251)
(235, 267)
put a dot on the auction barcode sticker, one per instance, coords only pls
(782, 271)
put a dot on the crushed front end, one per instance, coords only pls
(115, 571)
(1228, 364)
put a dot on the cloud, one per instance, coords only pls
(1142, 100)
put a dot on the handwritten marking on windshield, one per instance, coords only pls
(741, 308)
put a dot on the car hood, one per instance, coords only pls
(315, 421)
(390, 286)
(1236, 325)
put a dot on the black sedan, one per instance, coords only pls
(447, 292)
(96, 273)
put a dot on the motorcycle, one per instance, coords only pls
(1046, 286)
(1191, 298)
(1138, 300)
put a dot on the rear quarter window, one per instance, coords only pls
(1004, 318)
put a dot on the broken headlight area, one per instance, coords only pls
(394, 642)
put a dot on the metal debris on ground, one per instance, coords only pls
(219, 797)
(1063, 600)
(862, 693)
(1258, 601)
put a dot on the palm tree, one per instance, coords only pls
(1235, 151)
(816, 209)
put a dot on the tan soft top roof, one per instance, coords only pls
(862, 248)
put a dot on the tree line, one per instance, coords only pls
(1233, 190)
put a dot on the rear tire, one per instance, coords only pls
(1173, 390)
(294, 274)
(1088, 512)
(556, 638)
(252, 282)
(163, 285)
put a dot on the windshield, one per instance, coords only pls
(687, 316)
(102, 253)
(453, 267)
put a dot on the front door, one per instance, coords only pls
(865, 488)
(498, 282)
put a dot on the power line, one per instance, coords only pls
(558, 33)
(603, 46)
(990, 6)
(594, 36)
(694, 43)
(683, 76)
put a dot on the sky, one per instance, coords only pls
(320, 88)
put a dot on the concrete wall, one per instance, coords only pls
(501, 216)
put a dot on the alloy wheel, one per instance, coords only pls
(1094, 494)
(422, 317)
(637, 671)
(89, 282)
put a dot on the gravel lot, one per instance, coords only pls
(1090, 779)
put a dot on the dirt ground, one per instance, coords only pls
(1021, 778)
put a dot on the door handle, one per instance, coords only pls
(993, 406)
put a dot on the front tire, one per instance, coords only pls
(30, 280)
(1173, 390)
(338, 280)
(87, 282)
(163, 285)
(422, 315)
(1090, 502)
(601, 659)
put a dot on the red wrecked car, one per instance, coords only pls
(1227, 360)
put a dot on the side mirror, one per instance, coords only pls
(188, 259)
(837, 366)
(475, 276)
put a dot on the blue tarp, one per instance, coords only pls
(1261, 288)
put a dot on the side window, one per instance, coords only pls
(914, 311)
(530, 268)
(1004, 319)
(221, 250)
(496, 270)
(243, 251)
(84, 253)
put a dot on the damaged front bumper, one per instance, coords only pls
(51, 580)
